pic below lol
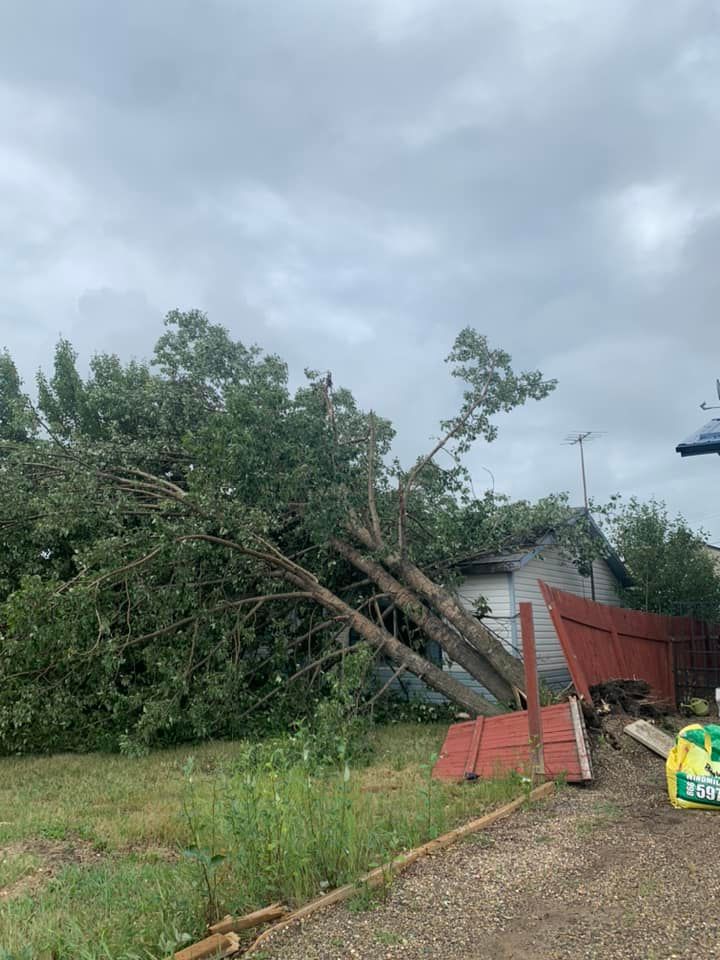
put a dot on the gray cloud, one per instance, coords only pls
(350, 183)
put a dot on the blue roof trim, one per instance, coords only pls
(547, 541)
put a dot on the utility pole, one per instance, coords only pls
(579, 439)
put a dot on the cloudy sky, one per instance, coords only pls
(349, 182)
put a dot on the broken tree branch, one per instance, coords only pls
(431, 625)
(405, 488)
(372, 501)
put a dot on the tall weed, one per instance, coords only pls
(290, 831)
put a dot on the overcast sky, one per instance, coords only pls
(350, 182)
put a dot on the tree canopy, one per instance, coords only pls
(672, 570)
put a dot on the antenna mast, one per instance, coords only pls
(579, 439)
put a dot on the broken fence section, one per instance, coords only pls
(602, 643)
(496, 746)
(678, 657)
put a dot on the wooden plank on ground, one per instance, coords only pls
(652, 738)
(580, 739)
(275, 911)
(218, 945)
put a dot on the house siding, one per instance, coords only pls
(495, 588)
(552, 568)
(503, 592)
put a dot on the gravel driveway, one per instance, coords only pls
(610, 871)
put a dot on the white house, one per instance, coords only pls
(714, 553)
(504, 581)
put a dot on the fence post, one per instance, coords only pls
(532, 692)
(671, 659)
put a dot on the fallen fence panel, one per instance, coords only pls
(495, 746)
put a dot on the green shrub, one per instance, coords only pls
(393, 709)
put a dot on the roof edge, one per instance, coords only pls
(506, 563)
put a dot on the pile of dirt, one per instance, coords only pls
(616, 703)
(631, 697)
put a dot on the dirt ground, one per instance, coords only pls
(607, 871)
(52, 856)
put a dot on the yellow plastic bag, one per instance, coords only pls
(693, 768)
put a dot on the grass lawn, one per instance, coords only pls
(90, 861)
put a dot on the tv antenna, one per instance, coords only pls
(578, 439)
(712, 406)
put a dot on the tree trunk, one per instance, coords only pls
(384, 641)
(432, 626)
(508, 667)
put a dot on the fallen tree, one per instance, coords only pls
(358, 484)
(201, 502)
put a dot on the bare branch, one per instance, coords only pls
(219, 608)
(161, 481)
(372, 502)
(128, 566)
(397, 673)
(274, 558)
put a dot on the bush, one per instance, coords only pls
(396, 710)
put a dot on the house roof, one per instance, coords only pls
(520, 554)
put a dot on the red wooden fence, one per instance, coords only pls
(611, 643)
(679, 657)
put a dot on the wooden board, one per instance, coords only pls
(211, 947)
(652, 738)
(235, 924)
(581, 739)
